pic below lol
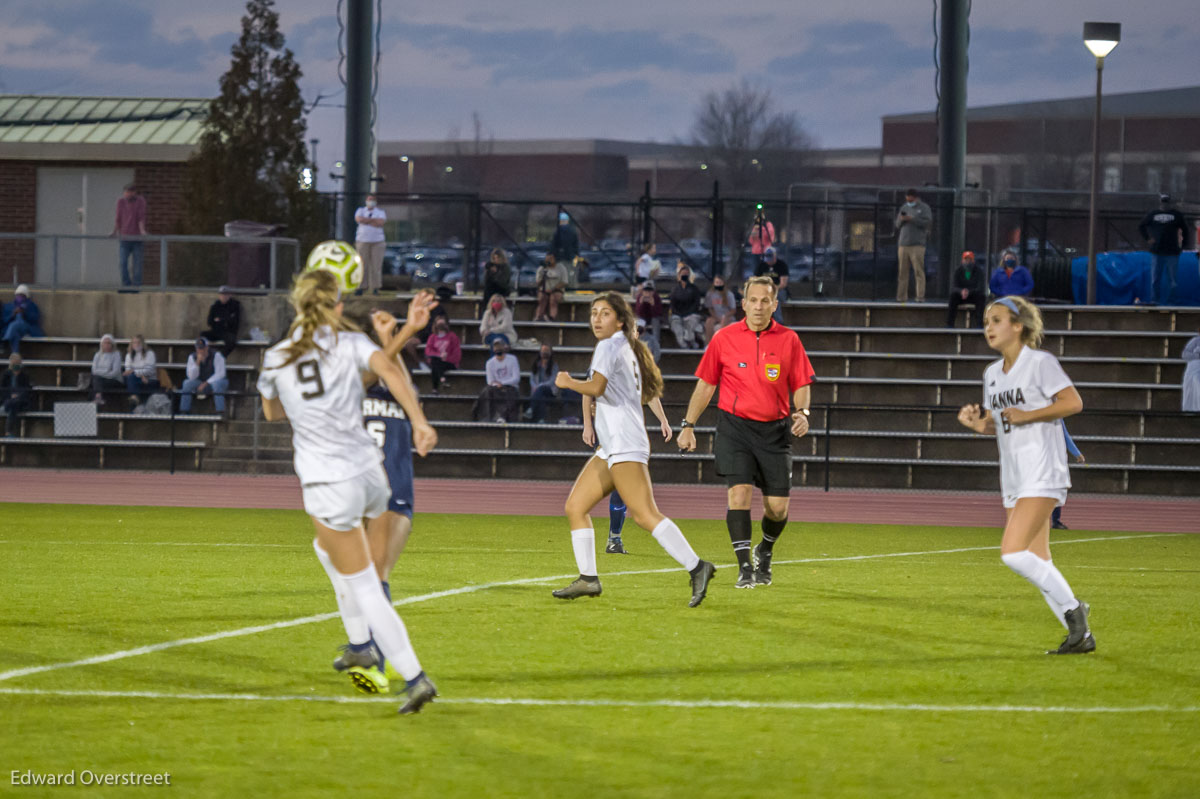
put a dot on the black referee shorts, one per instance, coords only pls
(755, 453)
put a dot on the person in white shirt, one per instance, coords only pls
(1026, 394)
(370, 243)
(500, 399)
(313, 379)
(205, 374)
(141, 370)
(622, 378)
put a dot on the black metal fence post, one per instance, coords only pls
(828, 432)
(173, 400)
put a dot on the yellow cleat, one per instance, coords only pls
(369, 679)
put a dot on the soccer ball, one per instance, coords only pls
(341, 259)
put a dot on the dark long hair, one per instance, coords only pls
(652, 380)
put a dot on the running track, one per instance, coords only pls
(537, 498)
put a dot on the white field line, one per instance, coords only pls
(161, 544)
(470, 589)
(696, 704)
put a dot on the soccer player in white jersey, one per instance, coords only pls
(313, 379)
(622, 377)
(1026, 394)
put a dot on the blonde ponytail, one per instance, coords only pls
(315, 296)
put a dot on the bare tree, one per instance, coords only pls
(749, 144)
(752, 147)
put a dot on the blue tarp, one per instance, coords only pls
(1124, 278)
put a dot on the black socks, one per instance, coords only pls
(738, 522)
(771, 530)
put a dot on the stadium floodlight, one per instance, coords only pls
(1100, 38)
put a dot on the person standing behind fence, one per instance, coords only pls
(15, 393)
(762, 237)
(130, 221)
(913, 221)
(565, 242)
(968, 288)
(1166, 232)
(765, 376)
(370, 242)
(224, 319)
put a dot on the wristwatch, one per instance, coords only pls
(686, 423)
(804, 411)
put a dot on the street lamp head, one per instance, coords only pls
(1101, 37)
(404, 159)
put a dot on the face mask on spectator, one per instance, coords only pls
(497, 306)
(371, 203)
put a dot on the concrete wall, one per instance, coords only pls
(153, 314)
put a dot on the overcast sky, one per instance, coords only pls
(626, 70)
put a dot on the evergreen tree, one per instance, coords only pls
(252, 149)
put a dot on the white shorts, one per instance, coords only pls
(633, 456)
(344, 504)
(1059, 495)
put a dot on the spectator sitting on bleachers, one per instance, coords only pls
(497, 274)
(205, 374)
(20, 318)
(967, 288)
(543, 392)
(443, 350)
(551, 281)
(687, 304)
(106, 369)
(1191, 375)
(412, 347)
(1012, 280)
(141, 370)
(15, 393)
(497, 322)
(721, 305)
(224, 319)
(500, 399)
(649, 311)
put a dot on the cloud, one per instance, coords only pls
(634, 89)
(851, 54)
(526, 54)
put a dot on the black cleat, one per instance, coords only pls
(420, 694)
(1088, 644)
(1059, 525)
(363, 658)
(745, 578)
(700, 577)
(580, 587)
(615, 547)
(762, 565)
(1079, 638)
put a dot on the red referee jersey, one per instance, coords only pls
(756, 372)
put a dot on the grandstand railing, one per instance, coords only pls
(183, 262)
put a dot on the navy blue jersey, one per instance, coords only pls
(387, 423)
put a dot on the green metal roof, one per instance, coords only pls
(42, 119)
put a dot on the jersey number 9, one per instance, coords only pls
(308, 373)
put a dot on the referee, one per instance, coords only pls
(763, 372)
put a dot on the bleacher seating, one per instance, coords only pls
(889, 382)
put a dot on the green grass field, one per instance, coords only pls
(860, 672)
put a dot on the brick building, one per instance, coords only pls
(63, 163)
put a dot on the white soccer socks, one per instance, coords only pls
(583, 541)
(353, 619)
(1047, 578)
(670, 538)
(390, 635)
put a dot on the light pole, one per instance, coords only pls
(1100, 38)
(408, 186)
